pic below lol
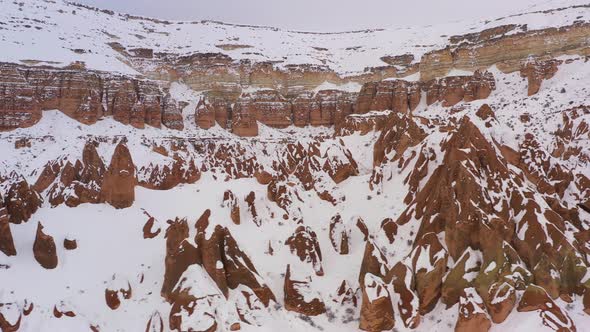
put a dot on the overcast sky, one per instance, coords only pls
(318, 15)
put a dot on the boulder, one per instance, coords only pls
(44, 249)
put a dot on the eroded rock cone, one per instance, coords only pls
(231, 202)
(118, 186)
(401, 277)
(44, 249)
(536, 298)
(298, 295)
(472, 315)
(304, 243)
(376, 308)
(21, 201)
(429, 260)
(339, 235)
(460, 277)
(180, 254)
(6, 240)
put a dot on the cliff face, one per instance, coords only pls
(84, 95)
(447, 187)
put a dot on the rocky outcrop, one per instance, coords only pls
(231, 202)
(44, 249)
(70, 244)
(376, 309)
(118, 185)
(6, 240)
(472, 315)
(204, 114)
(177, 170)
(217, 253)
(536, 299)
(82, 94)
(21, 200)
(537, 71)
(299, 297)
(74, 184)
(304, 243)
(339, 235)
(396, 95)
(454, 89)
(507, 50)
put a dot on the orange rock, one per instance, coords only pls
(147, 229)
(204, 114)
(305, 245)
(472, 315)
(537, 71)
(297, 296)
(70, 244)
(231, 202)
(536, 299)
(6, 241)
(376, 308)
(44, 249)
(118, 186)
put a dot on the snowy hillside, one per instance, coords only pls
(133, 200)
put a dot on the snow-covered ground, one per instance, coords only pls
(53, 31)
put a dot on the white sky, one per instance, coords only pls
(319, 15)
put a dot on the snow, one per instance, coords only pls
(54, 32)
(111, 250)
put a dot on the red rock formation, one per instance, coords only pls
(204, 115)
(118, 185)
(305, 245)
(332, 107)
(148, 232)
(74, 184)
(172, 114)
(70, 244)
(454, 89)
(389, 228)
(472, 316)
(168, 176)
(113, 296)
(298, 296)
(81, 94)
(6, 241)
(429, 259)
(376, 308)
(536, 299)
(21, 200)
(537, 71)
(180, 254)
(362, 123)
(374, 262)
(345, 295)
(44, 249)
(339, 235)
(231, 202)
(399, 133)
(397, 95)
(401, 277)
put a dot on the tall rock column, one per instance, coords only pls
(118, 186)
